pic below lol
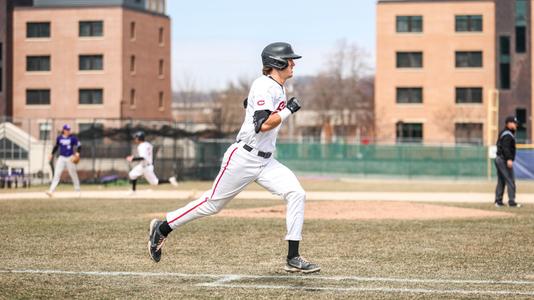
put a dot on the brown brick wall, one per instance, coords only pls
(148, 52)
(438, 77)
(64, 46)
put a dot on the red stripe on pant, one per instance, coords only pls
(214, 189)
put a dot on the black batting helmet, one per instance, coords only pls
(275, 55)
(140, 135)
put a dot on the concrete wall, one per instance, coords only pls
(438, 77)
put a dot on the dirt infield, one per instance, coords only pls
(349, 210)
(363, 210)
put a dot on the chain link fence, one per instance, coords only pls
(195, 155)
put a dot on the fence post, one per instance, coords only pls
(174, 158)
(93, 150)
(29, 148)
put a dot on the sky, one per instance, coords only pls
(218, 41)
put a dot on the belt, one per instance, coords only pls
(260, 153)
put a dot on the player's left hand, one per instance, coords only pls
(129, 158)
(293, 105)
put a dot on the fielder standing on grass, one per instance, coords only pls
(145, 166)
(504, 162)
(69, 155)
(251, 159)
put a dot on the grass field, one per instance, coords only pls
(237, 258)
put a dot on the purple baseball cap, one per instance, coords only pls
(66, 127)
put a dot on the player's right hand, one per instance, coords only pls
(50, 157)
(293, 105)
(129, 158)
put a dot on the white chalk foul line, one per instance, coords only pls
(223, 281)
(371, 289)
(294, 277)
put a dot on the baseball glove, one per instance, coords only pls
(75, 159)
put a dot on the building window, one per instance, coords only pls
(521, 39)
(410, 95)
(44, 131)
(409, 59)
(160, 68)
(37, 63)
(409, 132)
(38, 29)
(132, 97)
(91, 28)
(91, 62)
(37, 97)
(161, 38)
(409, 24)
(468, 59)
(11, 151)
(521, 133)
(468, 133)
(521, 10)
(132, 31)
(132, 64)
(468, 95)
(468, 23)
(504, 62)
(161, 101)
(91, 96)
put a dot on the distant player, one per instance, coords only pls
(69, 148)
(145, 165)
(251, 159)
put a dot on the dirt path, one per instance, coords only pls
(362, 210)
(262, 195)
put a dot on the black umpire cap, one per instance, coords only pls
(510, 119)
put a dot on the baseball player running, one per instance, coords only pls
(145, 166)
(250, 159)
(69, 154)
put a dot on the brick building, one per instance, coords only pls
(104, 59)
(441, 63)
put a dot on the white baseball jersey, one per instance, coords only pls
(144, 150)
(265, 94)
(241, 167)
(145, 167)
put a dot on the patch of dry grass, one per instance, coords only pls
(110, 235)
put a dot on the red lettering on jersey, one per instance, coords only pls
(261, 102)
(281, 106)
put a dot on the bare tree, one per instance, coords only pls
(229, 112)
(343, 93)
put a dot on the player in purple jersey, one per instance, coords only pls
(69, 148)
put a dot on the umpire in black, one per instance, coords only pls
(505, 163)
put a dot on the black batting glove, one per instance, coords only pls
(293, 105)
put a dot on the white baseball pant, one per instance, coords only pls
(63, 162)
(146, 171)
(238, 169)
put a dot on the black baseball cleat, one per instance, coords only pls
(300, 265)
(155, 240)
(499, 204)
(514, 205)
